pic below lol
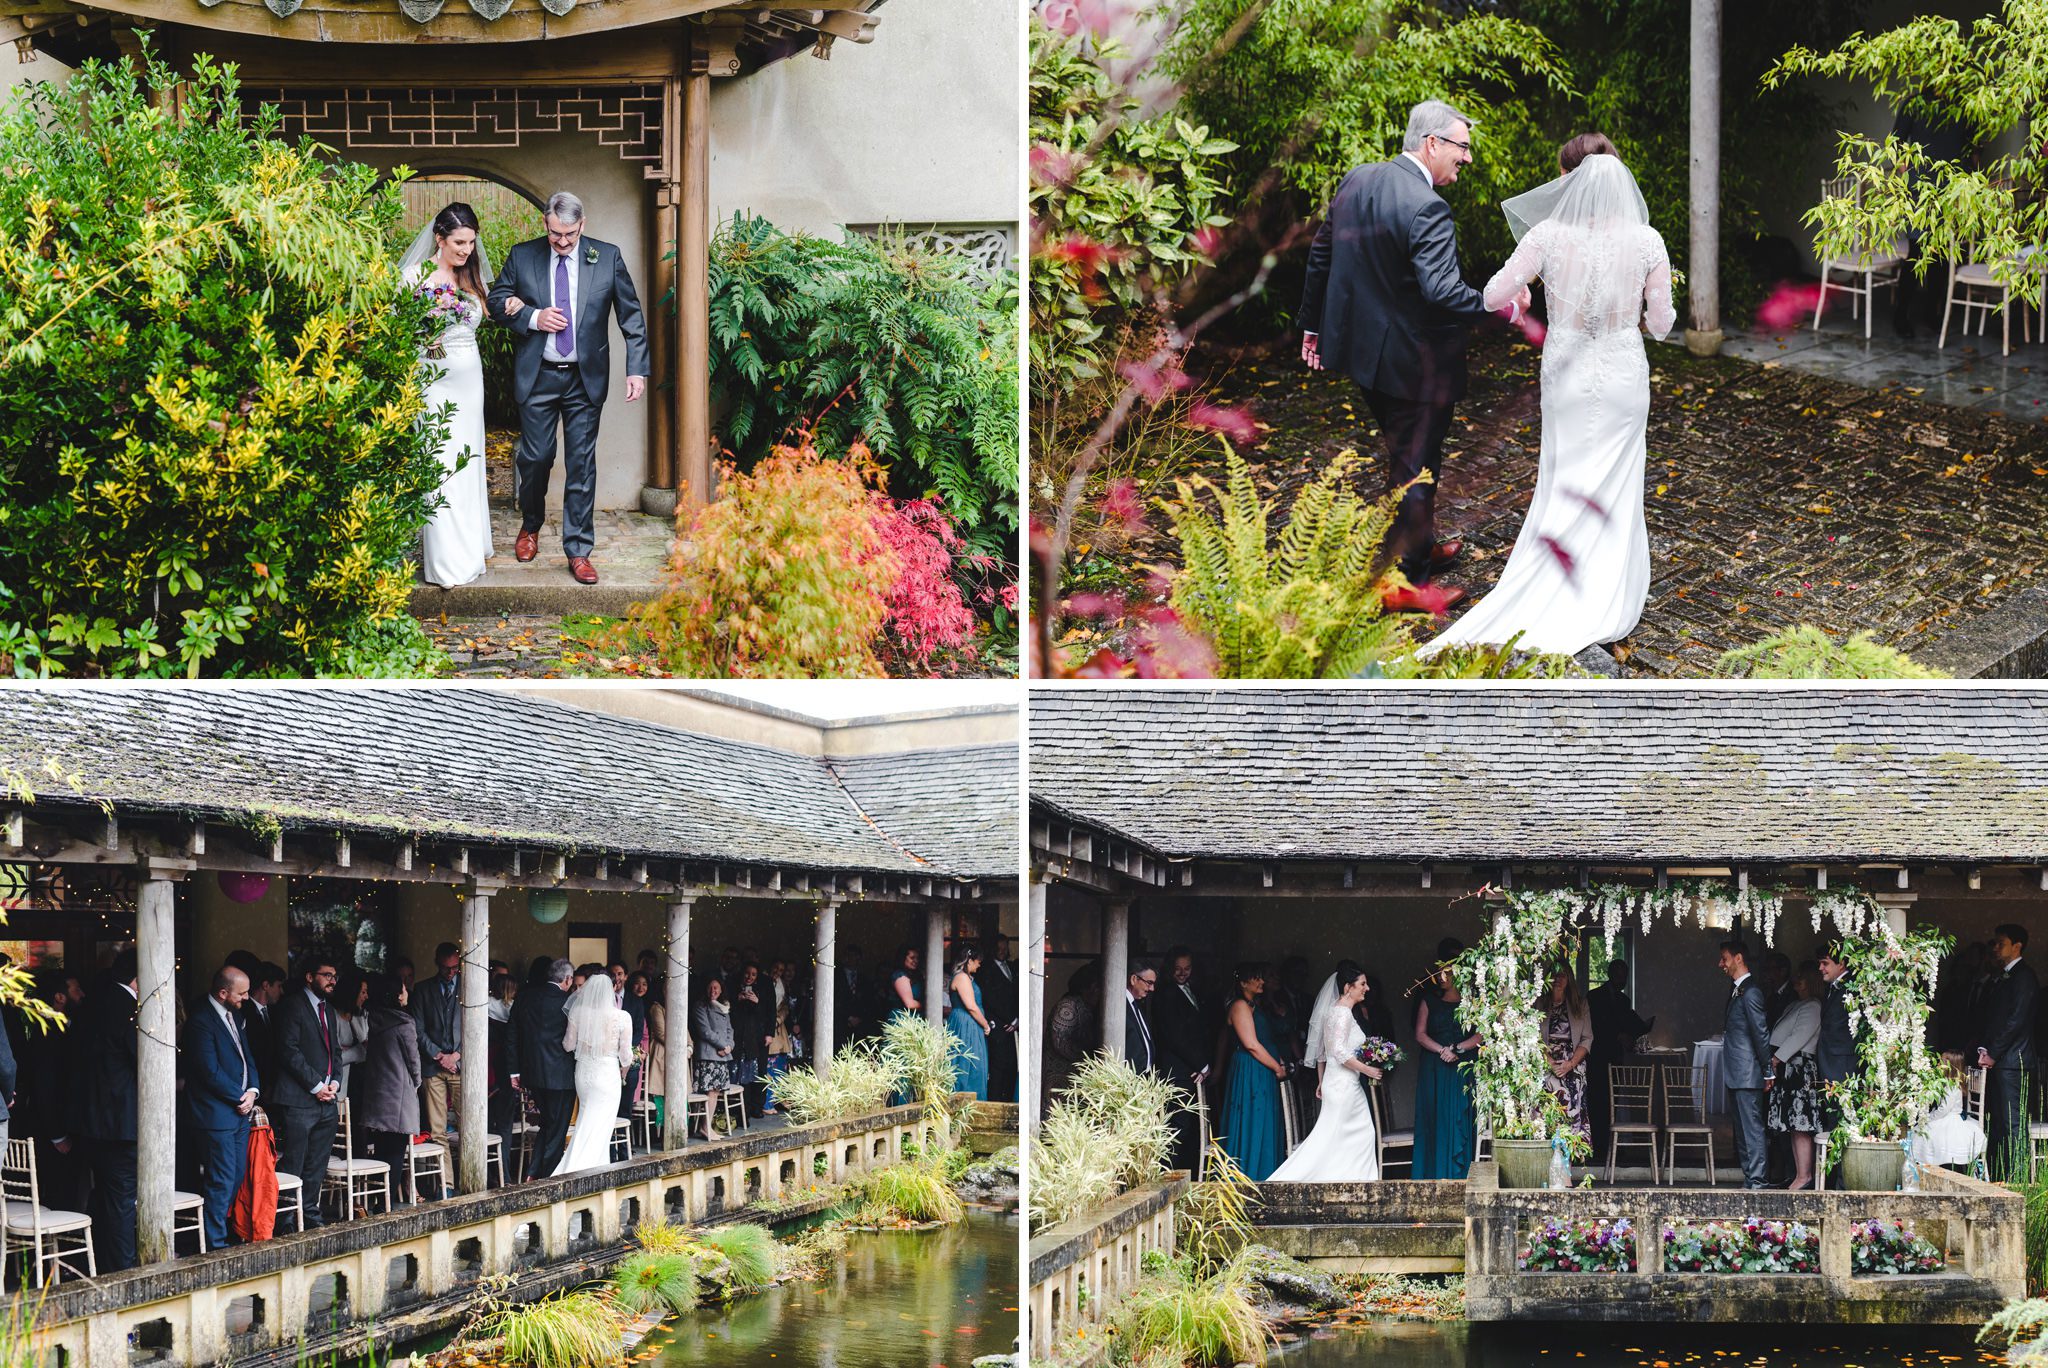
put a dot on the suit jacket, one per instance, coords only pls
(540, 1018)
(306, 1054)
(1836, 1053)
(1615, 1023)
(262, 1037)
(999, 995)
(1177, 1035)
(604, 287)
(2009, 1020)
(216, 1069)
(103, 1065)
(437, 1020)
(1140, 1052)
(1746, 1040)
(1384, 291)
(851, 1009)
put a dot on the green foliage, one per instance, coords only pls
(916, 1193)
(659, 1237)
(1176, 1316)
(1108, 1130)
(1213, 1223)
(646, 1281)
(213, 458)
(924, 1054)
(2021, 1325)
(860, 1081)
(574, 1330)
(750, 1249)
(1808, 652)
(1074, 1166)
(20, 1323)
(873, 343)
(1890, 996)
(1117, 200)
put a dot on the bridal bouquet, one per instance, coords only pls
(445, 305)
(1380, 1052)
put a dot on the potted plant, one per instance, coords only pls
(1889, 991)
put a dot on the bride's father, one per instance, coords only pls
(1386, 304)
(562, 367)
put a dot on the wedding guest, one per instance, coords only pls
(1745, 1045)
(1616, 1028)
(1374, 1014)
(999, 990)
(1567, 1040)
(968, 1023)
(1139, 1051)
(437, 1013)
(221, 1088)
(658, 1090)
(1774, 971)
(406, 974)
(504, 1109)
(351, 1022)
(1073, 1032)
(103, 1109)
(850, 982)
(386, 1107)
(259, 1014)
(781, 1045)
(750, 1035)
(1183, 1047)
(900, 997)
(1792, 1080)
(711, 1025)
(305, 1103)
(2007, 1049)
(1445, 1127)
(546, 1070)
(1947, 1137)
(1835, 1053)
(631, 998)
(1251, 1122)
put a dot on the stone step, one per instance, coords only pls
(1370, 1247)
(630, 555)
(1394, 1202)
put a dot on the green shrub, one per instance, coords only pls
(659, 1237)
(213, 458)
(871, 342)
(647, 1280)
(1073, 1166)
(574, 1330)
(911, 1192)
(1807, 652)
(1174, 1316)
(749, 1249)
(1136, 1107)
(860, 1081)
(923, 1053)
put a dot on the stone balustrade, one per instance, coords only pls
(1081, 1268)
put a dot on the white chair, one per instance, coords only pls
(425, 1158)
(290, 1189)
(1973, 1094)
(1203, 1134)
(1290, 1130)
(1972, 286)
(643, 1116)
(1876, 267)
(54, 1239)
(732, 1106)
(622, 1140)
(2037, 1148)
(1390, 1139)
(188, 1217)
(354, 1180)
(1631, 1114)
(1685, 1091)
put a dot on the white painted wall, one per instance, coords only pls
(921, 126)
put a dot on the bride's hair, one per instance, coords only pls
(469, 277)
(1585, 145)
(1348, 973)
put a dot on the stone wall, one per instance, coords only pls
(1080, 1270)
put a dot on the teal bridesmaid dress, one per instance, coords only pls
(1444, 1121)
(970, 1071)
(1251, 1105)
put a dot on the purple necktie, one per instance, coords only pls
(565, 340)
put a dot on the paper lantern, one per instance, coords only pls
(548, 905)
(242, 887)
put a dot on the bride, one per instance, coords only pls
(1344, 1146)
(601, 1038)
(1579, 573)
(448, 257)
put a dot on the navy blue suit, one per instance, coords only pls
(217, 1073)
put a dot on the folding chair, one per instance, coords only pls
(1390, 1139)
(354, 1180)
(1685, 1093)
(1631, 1113)
(53, 1238)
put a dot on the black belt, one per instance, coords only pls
(560, 365)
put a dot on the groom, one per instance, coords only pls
(1385, 303)
(562, 367)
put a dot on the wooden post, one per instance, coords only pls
(935, 964)
(659, 497)
(1703, 266)
(693, 293)
(156, 1067)
(1116, 972)
(474, 1096)
(826, 964)
(1031, 1010)
(675, 1121)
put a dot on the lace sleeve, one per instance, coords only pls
(1336, 1039)
(622, 1027)
(569, 1035)
(1657, 286)
(1521, 268)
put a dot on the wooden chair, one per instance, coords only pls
(53, 1239)
(1204, 1136)
(1877, 268)
(188, 1217)
(1631, 1114)
(354, 1180)
(2037, 1149)
(622, 1140)
(1390, 1139)
(423, 1158)
(1685, 1095)
(732, 1107)
(494, 1158)
(697, 1107)
(643, 1116)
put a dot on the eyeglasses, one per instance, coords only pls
(1452, 141)
(1149, 980)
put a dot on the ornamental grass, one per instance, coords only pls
(575, 1330)
(749, 1249)
(1174, 1316)
(646, 1281)
(861, 1081)
(917, 1193)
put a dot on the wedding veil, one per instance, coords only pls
(415, 258)
(1318, 1021)
(1602, 192)
(591, 1011)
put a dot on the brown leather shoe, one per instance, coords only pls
(526, 546)
(1444, 552)
(1436, 599)
(582, 569)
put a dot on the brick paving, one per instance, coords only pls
(1775, 496)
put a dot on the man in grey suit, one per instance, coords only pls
(557, 292)
(1385, 303)
(1745, 1052)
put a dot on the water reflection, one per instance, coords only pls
(1456, 1345)
(934, 1300)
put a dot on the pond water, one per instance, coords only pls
(1457, 1345)
(934, 1299)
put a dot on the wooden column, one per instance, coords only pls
(1116, 971)
(659, 497)
(1031, 1009)
(1703, 267)
(693, 294)
(675, 1121)
(156, 1066)
(473, 1155)
(825, 969)
(935, 964)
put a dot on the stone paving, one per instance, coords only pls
(1968, 373)
(1775, 496)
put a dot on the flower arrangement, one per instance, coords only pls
(1877, 1246)
(1579, 1247)
(1889, 991)
(1752, 1247)
(446, 305)
(1380, 1052)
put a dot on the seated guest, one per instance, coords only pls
(1947, 1136)
(221, 1087)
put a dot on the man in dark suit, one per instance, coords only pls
(1836, 1052)
(999, 999)
(306, 1095)
(259, 1014)
(1774, 970)
(1384, 303)
(1616, 1028)
(221, 1086)
(103, 1109)
(1139, 1052)
(540, 1018)
(2007, 1049)
(1745, 1052)
(1183, 1048)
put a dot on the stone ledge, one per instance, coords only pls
(1064, 1244)
(2008, 642)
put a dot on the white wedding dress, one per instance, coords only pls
(1579, 573)
(457, 540)
(601, 1038)
(1344, 1146)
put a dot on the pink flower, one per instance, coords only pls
(1121, 505)
(1789, 305)
(1051, 166)
(1155, 378)
(1234, 423)
(1061, 16)
(1204, 242)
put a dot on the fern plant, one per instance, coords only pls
(1807, 652)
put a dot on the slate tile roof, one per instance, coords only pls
(503, 767)
(1649, 775)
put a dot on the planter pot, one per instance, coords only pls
(1872, 1166)
(1522, 1163)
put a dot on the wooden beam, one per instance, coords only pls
(12, 825)
(405, 853)
(195, 839)
(693, 296)
(321, 22)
